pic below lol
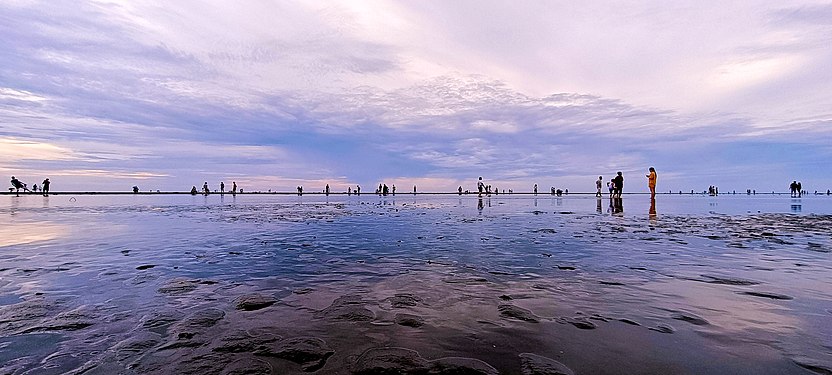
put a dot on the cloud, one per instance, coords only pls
(280, 93)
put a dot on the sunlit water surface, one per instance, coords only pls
(154, 283)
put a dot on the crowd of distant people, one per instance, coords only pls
(615, 188)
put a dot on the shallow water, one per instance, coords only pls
(155, 284)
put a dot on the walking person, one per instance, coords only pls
(651, 181)
(598, 185)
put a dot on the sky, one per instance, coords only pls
(105, 95)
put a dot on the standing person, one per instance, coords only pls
(651, 181)
(394, 189)
(598, 185)
(799, 189)
(357, 189)
(45, 187)
(414, 189)
(205, 189)
(535, 189)
(327, 189)
(793, 188)
(234, 187)
(480, 186)
(222, 187)
(459, 189)
(618, 183)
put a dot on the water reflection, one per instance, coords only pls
(617, 205)
(27, 233)
(797, 205)
(651, 213)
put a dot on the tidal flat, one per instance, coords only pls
(510, 284)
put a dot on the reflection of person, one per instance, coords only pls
(652, 211)
(479, 204)
(618, 205)
(651, 181)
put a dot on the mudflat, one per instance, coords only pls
(415, 285)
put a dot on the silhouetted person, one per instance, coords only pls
(222, 187)
(193, 190)
(598, 185)
(357, 189)
(394, 189)
(480, 186)
(414, 189)
(349, 190)
(385, 190)
(793, 188)
(45, 187)
(135, 189)
(535, 189)
(799, 189)
(651, 181)
(234, 187)
(326, 191)
(459, 189)
(17, 184)
(618, 181)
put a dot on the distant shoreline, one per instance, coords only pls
(369, 194)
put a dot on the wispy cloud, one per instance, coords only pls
(275, 94)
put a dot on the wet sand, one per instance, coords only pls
(419, 285)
